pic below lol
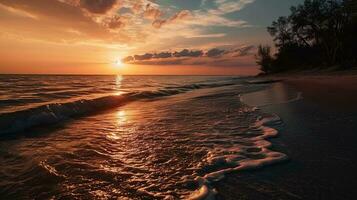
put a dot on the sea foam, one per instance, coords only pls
(260, 156)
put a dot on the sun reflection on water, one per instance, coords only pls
(119, 93)
(121, 117)
(118, 85)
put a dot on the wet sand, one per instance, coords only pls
(318, 135)
(335, 92)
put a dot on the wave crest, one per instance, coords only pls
(57, 112)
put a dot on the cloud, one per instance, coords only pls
(163, 55)
(216, 17)
(97, 6)
(200, 18)
(18, 12)
(215, 52)
(214, 56)
(128, 59)
(168, 61)
(137, 7)
(65, 22)
(228, 62)
(245, 50)
(152, 12)
(188, 53)
(53, 14)
(216, 35)
(146, 56)
(115, 22)
(203, 2)
(225, 6)
(213, 18)
(181, 15)
(128, 26)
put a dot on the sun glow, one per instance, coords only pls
(118, 64)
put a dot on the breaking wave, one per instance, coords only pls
(57, 112)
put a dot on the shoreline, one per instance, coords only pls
(334, 90)
(318, 136)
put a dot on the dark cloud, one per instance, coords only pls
(97, 6)
(146, 56)
(128, 59)
(216, 56)
(188, 53)
(163, 55)
(168, 61)
(245, 50)
(215, 52)
(203, 61)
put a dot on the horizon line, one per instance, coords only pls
(59, 74)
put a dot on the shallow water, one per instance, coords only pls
(155, 138)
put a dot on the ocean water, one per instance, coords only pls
(128, 137)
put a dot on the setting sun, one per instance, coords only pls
(118, 64)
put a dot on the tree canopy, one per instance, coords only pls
(317, 33)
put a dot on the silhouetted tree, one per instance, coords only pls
(317, 33)
(264, 58)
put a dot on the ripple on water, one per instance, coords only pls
(169, 149)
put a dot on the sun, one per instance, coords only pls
(118, 63)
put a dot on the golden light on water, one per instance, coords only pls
(121, 119)
(121, 114)
(118, 84)
(119, 93)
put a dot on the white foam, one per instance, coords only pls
(204, 192)
(239, 160)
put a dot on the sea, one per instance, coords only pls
(128, 137)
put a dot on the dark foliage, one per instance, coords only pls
(317, 34)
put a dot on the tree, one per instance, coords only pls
(317, 33)
(264, 58)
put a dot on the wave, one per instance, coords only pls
(57, 112)
(239, 162)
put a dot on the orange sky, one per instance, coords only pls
(89, 36)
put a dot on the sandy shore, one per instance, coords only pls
(318, 135)
(333, 91)
(336, 90)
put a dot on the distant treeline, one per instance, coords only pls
(317, 34)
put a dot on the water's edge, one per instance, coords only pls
(263, 124)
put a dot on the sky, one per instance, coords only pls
(199, 37)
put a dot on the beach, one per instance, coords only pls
(318, 134)
(177, 137)
(170, 100)
(336, 90)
